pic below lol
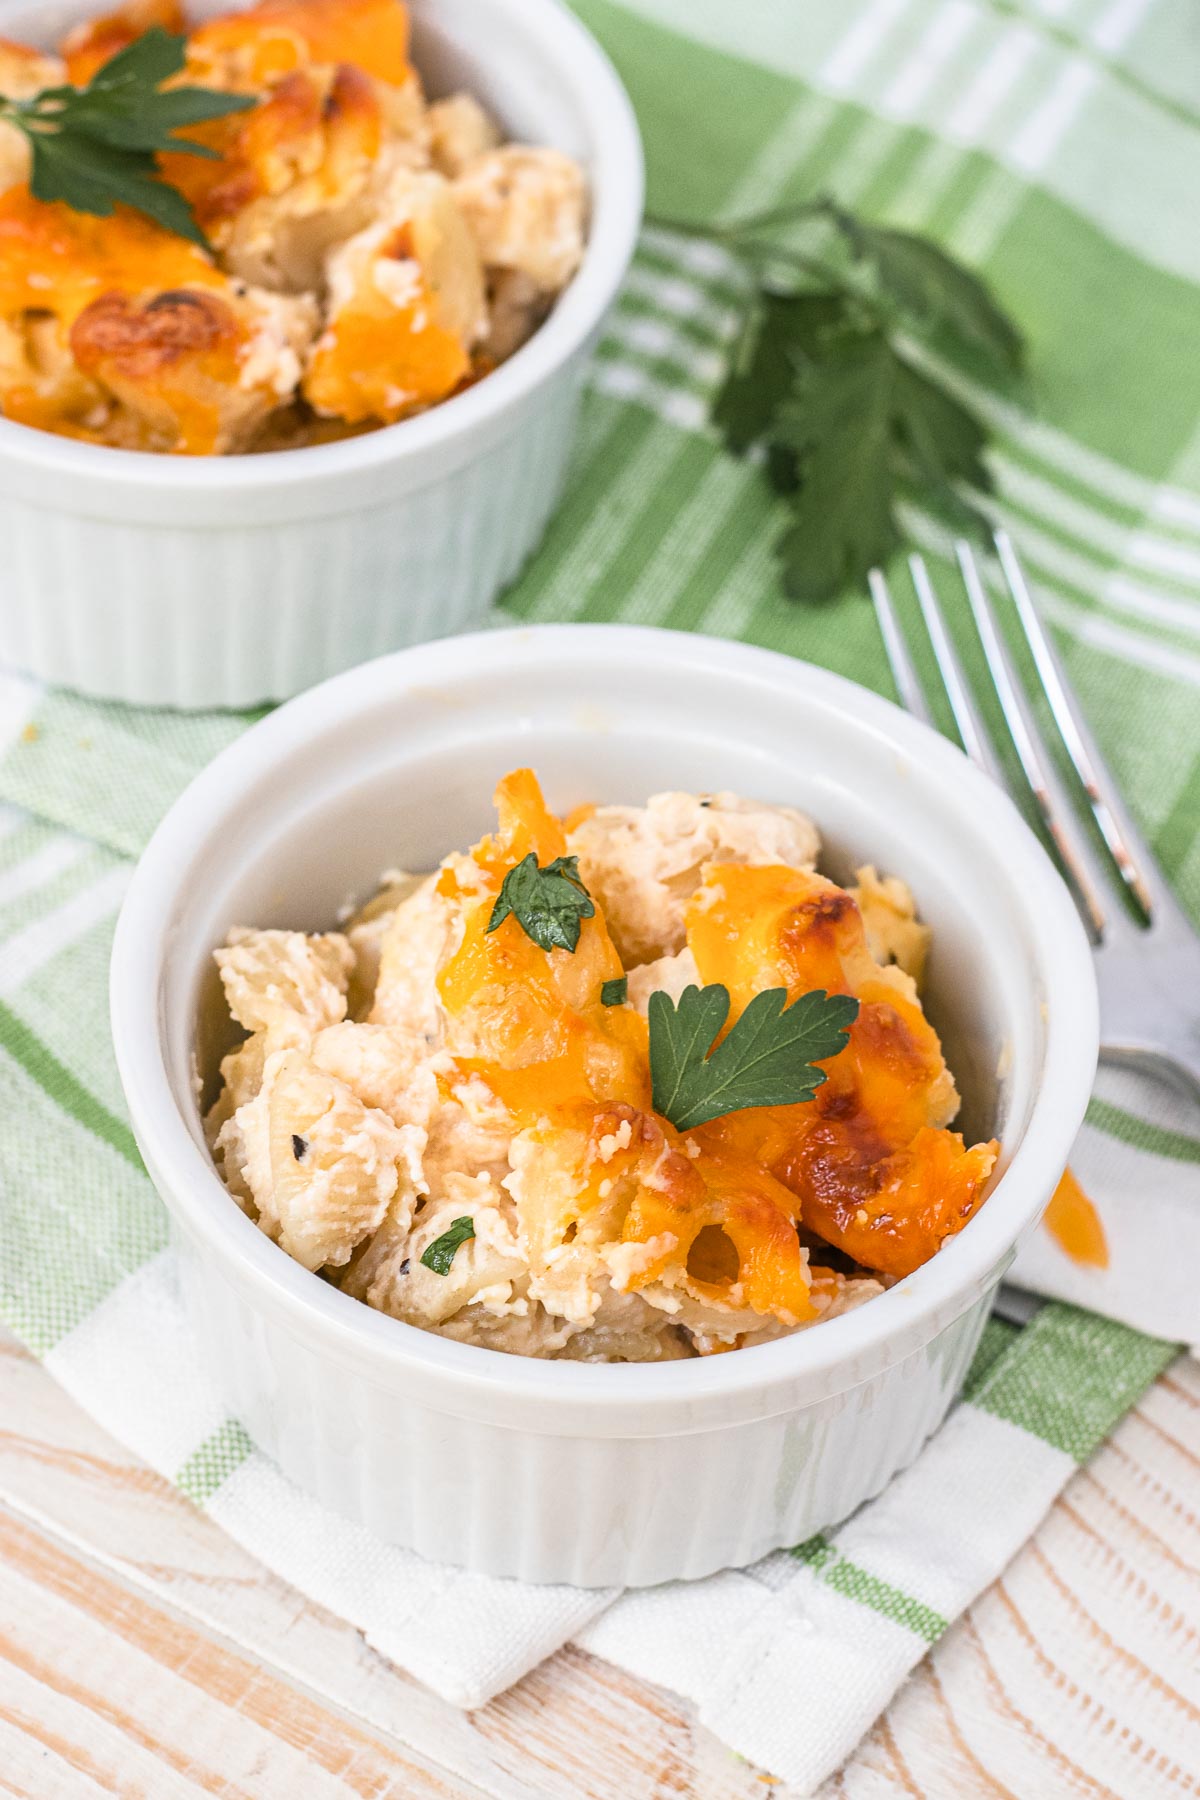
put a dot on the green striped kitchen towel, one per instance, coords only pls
(1056, 147)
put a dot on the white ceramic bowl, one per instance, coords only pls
(223, 581)
(558, 1471)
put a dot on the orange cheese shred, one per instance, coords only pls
(1075, 1225)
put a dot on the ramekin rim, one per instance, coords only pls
(951, 1280)
(576, 314)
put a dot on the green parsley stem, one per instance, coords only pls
(772, 256)
(741, 235)
(732, 230)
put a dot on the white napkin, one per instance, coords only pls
(1142, 1174)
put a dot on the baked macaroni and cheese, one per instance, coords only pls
(359, 253)
(632, 1085)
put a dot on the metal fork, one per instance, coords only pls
(1148, 965)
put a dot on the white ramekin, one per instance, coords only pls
(225, 581)
(556, 1471)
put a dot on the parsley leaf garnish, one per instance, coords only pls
(832, 379)
(933, 288)
(765, 1060)
(548, 904)
(614, 992)
(94, 147)
(441, 1252)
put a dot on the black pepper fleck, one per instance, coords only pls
(404, 1267)
(299, 1146)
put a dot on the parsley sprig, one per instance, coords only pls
(548, 904)
(765, 1060)
(95, 146)
(831, 381)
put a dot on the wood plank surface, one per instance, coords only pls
(142, 1653)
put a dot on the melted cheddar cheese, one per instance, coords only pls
(275, 37)
(53, 258)
(90, 45)
(530, 1022)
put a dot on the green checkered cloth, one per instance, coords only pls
(1057, 148)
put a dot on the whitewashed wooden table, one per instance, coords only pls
(142, 1653)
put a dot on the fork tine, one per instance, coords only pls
(1117, 828)
(908, 685)
(1053, 805)
(967, 717)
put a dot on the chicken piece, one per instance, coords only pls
(14, 156)
(406, 305)
(90, 44)
(242, 1069)
(199, 371)
(833, 1293)
(376, 1068)
(420, 933)
(642, 863)
(487, 1268)
(531, 1333)
(525, 208)
(271, 977)
(668, 975)
(459, 132)
(299, 172)
(23, 72)
(516, 307)
(247, 47)
(889, 916)
(470, 1130)
(830, 1295)
(377, 1062)
(639, 1336)
(366, 930)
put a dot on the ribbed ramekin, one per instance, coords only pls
(557, 1471)
(212, 582)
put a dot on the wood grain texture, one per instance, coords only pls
(143, 1653)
